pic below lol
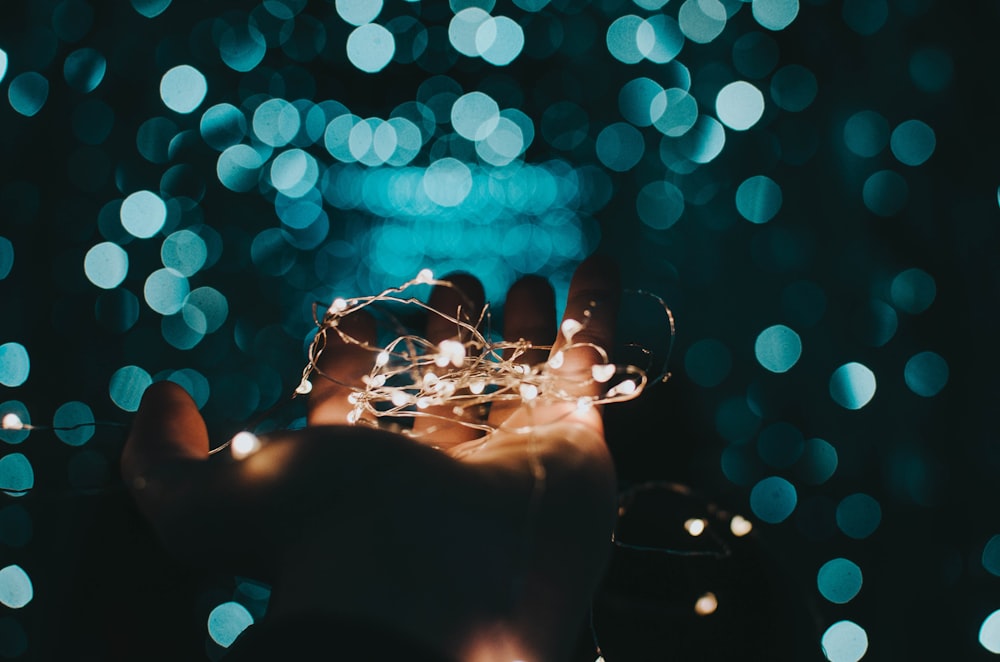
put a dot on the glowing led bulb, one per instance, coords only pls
(583, 404)
(425, 277)
(304, 387)
(12, 421)
(400, 398)
(477, 387)
(352, 416)
(529, 391)
(382, 359)
(338, 305)
(740, 526)
(695, 526)
(706, 604)
(423, 403)
(556, 360)
(244, 444)
(602, 373)
(378, 381)
(627, 387)
(430, 379)
(570, 327)
(450, 351)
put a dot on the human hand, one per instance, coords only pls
(480, 551)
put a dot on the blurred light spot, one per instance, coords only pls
(622, 40)
(294, 172)
(912, 142)
(28, 92)
(184, 251)
(778, 348)
(358, 12)
(238, 167)
(695, 527)
(463, 27)
(153, 139)
(844, 641)
(503, 145)
(150, 8)
(704, 141)
(6, 257)
(242, 47)
(758, 199)
(183, 330)
(818, 462)
(780, 445)
(500, 40)
(660, 38)
(931, 69)
(926, 374)
(117, 310)
(447, 182)
(227, 621)
(885, 192)
(15, 365)
(755, 54)
(475, 115)
(636, 101)
(739, 104)
(679, 112)
(620, 147)
(866, 17)
(15, 587)
(370, 47)
(3, 63)
(71, 415)
(793, 88)
(708, 362)
(866, 133)
(165, 290)
(875, 323)
(84, 69)
(223, 125)
(106, 265)
(991, 556)
(913, 291)
(15, 528)
(660, 204)
(701, 21)
(775, 14)
(839, 580)
(773, 499)
(18, 409)
(852, 385)
(183, 88)
(127, 385)
(276, 122)
(858, 515)
(740, 526)
(16, 474)
(706, 604)
(143, 214)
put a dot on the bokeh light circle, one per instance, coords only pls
(839, 580)
(778, 348)
(912, 142)
(165, 290)
(183, 88)
(852, 385)
(913, 291)
(739, 105)
(660, 204)
(773, 499)
(227, 621)
(758, 199)
(127, 385)
(17, 476)
(844, 641)
(858, 515)
(15, 364)
(79, 417)
(775, 14)
(106, 265)
(16, 590)
(885, 193)
(143, 214)
(926, 374)
(28, 92)
(370, 47)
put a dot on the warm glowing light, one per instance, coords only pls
(570, 327)
(740, 526)
(603, 373)
(244, 444)
(706, 604)
(425, 277)
(382, 359)
(556, 360)
(529, 391)
(12, 421)
(695, 526)
(338, 305)
(450, 351)
(304, 387)
(400, 398)
(477, 387)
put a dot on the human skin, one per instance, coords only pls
(480, 551)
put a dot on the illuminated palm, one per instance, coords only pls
(484, 554)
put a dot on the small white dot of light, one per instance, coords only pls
(400, 398)
(529, 391)
(600, 658)
(740, 526)
(244, 444)
(445, 389)
(570, 327)
(378, 381)
(706, 604)
(477, 387)
(602, 373)
(304, 387)
(627, 387)
(425, 277)
(457, 411)
(695, 526)
(12, 421)
(382, 359)
(338, 305)
(556, 360)
(453, 352)
(423, 403)
(352, 417)
(354, 398)
(430, 379)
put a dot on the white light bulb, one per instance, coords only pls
(570, 327)
(426, 276)
(382, 359)
(706, 604)
(12, 421)
(477, 387)
(740, 526)
(304, 387)
(430, 379)
(338, 305)
(556, 360)
(244, 444)
(529, 391)
(695, 526)
(602, 373)
(627, 387)
(400, 398)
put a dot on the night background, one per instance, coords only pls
(810, 186)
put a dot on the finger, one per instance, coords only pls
(464, 302)
(529, 315)
(341, 364)
(167, 427)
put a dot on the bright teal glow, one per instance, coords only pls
(635, 101)
(866, 133)
(620, 147)
(294, 172)
(184, 251)
(912, 142)
(370, 47)
(739, 105)
(276, 122)
(15, 365)
(844, 641)
(679, 114)
(780, 445)
(238, 167)
(659, 38)
(143, 214)
(660, 204)
(475, 115)
(183, 88)
(154, 137)
(106, 265)
(778, 348)
(463, 27)
(622, 39)
(165, 290)
(773, 499)
(793, 88)
(408, 141)
(16, 474)
(913, 291)
(852, 385)
(3, 63)
(839, 580)
(227, 621)
(989, 633)
(358, 12)
(28, 93)
(337, 137)
(885, 192)
(866, 17)
(223, 125)
(704, 141)
(500, 40)
(194, 383)
(991, 556)
(127, 385)
(213, 306)
(6, 257)
(708, 362)
(150, 8)
(775, 14)
(447, 182)
(819, 462)
(15, 407)
(84, 69)
(72, 414)
(242, 47)
(183, 330)
(503, 145)
(858, 515)
(926, 374)
(15, 587)
(758, 199)
(701, 21)
(526, 248)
